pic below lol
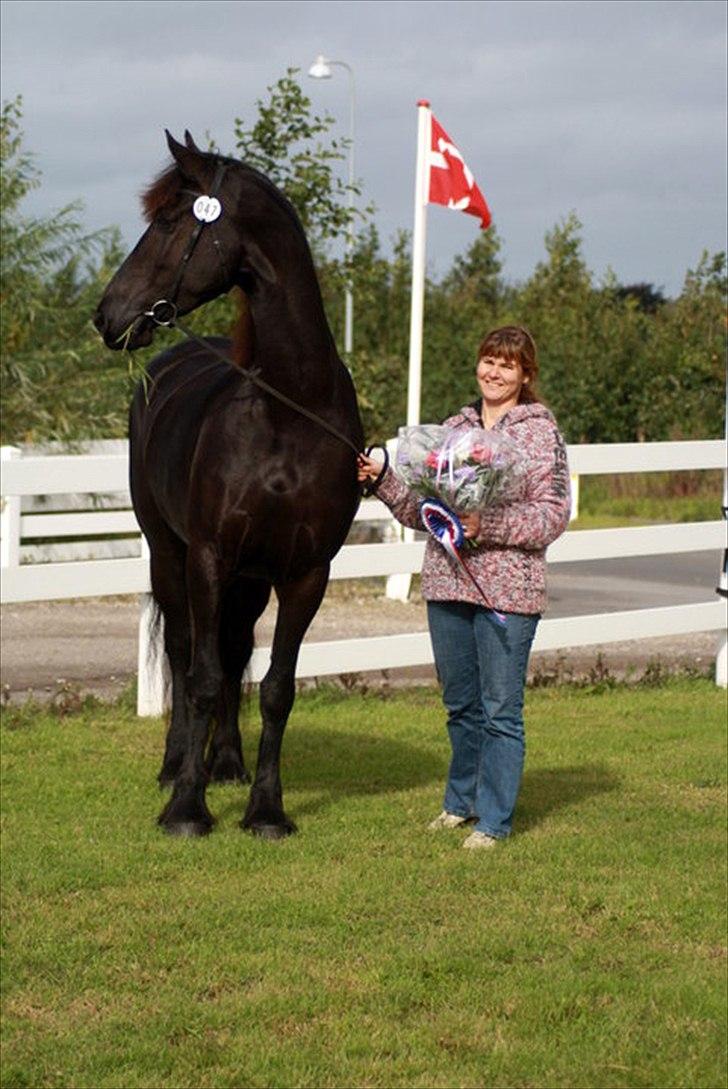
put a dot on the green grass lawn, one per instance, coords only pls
(588, 950)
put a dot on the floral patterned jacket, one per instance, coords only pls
(509, 562)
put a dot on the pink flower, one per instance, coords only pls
(481, 452)
(432, 459)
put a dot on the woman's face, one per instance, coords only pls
(500, 380)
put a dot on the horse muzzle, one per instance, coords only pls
(119, 334)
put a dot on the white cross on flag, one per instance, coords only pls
(451, 183)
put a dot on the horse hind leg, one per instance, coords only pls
(244, 602)
(298, 603)
(186, 813)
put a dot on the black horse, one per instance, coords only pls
(235, 491)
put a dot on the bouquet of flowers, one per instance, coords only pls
(466, 469)
(456, 471)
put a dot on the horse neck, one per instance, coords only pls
(285, 334)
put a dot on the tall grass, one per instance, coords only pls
(637, 498)
(588, 950)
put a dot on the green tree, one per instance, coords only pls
(382, 299)
(471, 299)
(616, 370)
(477, 275)
(296, 150)
(687, 393)
(618, 363)
(584, 371)
(57, 382)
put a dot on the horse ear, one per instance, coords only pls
(187, 159)
(190, 142)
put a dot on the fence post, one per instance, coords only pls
(574, 514)
(10, 518)
(398, 586)
(721, 657)
(721, 662)
(152, 667)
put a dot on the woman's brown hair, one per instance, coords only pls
(516, 344)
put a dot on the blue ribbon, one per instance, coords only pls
(445, 526)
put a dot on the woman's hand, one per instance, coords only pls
(368, 468)
(470, 524)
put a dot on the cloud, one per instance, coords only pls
(616, 110)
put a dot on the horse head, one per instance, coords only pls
(211, 220)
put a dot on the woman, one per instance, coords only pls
(481, 663)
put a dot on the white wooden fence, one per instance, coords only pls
(106, 474)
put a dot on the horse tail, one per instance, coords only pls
(153, 660)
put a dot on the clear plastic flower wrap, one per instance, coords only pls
(465, 468)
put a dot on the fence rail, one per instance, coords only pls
(100, 578)
(103, 473)
(25, 479)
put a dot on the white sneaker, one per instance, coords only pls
(447, 820)
(478, 840)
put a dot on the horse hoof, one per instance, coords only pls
(186, 829)
(186, 817)
(269, 831)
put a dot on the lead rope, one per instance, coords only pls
(254, 377)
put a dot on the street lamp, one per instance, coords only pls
(321, 69)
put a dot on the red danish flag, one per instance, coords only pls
(451, 183)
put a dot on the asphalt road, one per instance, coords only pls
(93, 643)
(640, 582)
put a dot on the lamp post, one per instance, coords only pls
(321, 69)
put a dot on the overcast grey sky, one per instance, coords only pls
(615, 110)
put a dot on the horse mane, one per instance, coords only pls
(276, 195)
(169, 181)
(161, 191)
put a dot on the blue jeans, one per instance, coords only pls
(482, 669)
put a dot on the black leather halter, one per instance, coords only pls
(164, 311)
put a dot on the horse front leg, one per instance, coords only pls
(297, 605)
(177, 648)
(186, 813)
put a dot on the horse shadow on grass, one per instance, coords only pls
(332, 765)
(544, 791)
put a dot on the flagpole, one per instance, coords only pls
(414, 384)
(398, 586)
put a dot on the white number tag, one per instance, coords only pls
(207, 209)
